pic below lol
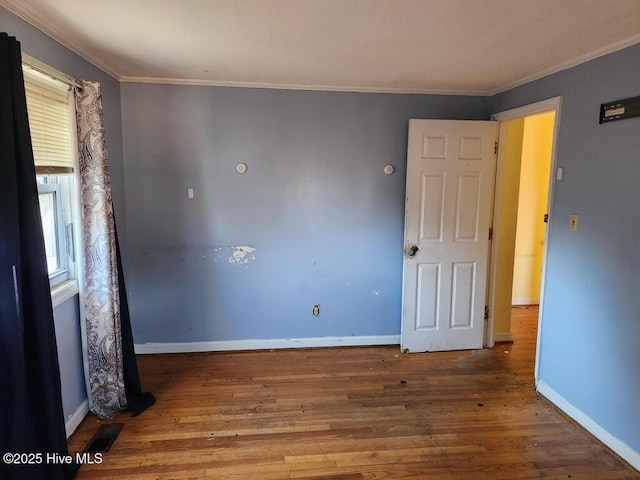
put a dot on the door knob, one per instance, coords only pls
(412, 250)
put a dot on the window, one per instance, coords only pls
(52, 125)
(57, 225)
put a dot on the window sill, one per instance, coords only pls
(63, 292)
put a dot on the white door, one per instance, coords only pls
(450, 181)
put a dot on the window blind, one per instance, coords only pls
(50, 123)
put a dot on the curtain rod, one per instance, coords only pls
(47, 70)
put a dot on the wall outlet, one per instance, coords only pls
(316, 310)
(573, 222)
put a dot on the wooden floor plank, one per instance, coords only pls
(351, 413)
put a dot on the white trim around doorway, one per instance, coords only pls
(550, 105)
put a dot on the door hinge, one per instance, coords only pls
(486, 312)
(490, 233)
(495, 148)
(546, 218)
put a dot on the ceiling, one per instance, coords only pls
(415, 46)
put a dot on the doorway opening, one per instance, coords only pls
(532, 212)
(523, 197)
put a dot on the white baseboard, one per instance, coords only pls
(525, 301)
(269, 344)
(503, 337)
(625, 451)
(76, 418)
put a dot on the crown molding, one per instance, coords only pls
(290, 86)
(36, 20)
(601, 52)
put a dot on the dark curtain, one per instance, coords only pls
(31, 401)
(137, 400)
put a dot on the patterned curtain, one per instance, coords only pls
(101, 290)
(113, 382)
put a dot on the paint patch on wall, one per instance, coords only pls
(242, 254)
(191, 256)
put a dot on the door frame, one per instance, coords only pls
(552, 104)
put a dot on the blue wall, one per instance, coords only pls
(590, 348)
(66, 316)
(326, 222)
(67, 326)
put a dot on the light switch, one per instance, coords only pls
(573, 222)
(189, 192)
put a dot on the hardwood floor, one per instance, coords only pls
(350, 413)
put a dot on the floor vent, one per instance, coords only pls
(104, 438)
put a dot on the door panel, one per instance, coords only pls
(434, 146)
(428, 303)
(450, 175)
(432, 218)
(468, 207)
(462, 292)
